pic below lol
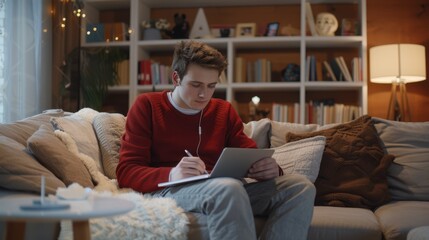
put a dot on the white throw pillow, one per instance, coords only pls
(280, 129)
(301, 157)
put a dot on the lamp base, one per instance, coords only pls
(399, 110)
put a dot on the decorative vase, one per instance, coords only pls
(151, 34)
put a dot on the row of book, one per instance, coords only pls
(334, 69)
(285, 112)
(316, 112)
(326, 112)
(150, 72)
(252, 71)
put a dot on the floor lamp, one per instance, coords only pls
(398, 64)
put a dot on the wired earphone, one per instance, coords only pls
(199, 127)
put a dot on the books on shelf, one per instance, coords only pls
(252, 71)
(334, 69)
(285, 112)
(151, 72)
(326, 112)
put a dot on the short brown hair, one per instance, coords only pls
(198, 53)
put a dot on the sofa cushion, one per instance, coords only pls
(353, 168)
(280, 129)
(301, 157)
(398, 218)
(79, 127)
(19, 170)
(53, 154)
(259, 131)
(408, 176)
(109, 128)
(21, 130)
(338, 223)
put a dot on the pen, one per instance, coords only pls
(190, 155)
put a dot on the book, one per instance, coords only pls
(336, 69)
(329, 71)
(240, 70)
(344, 69)
(95, 32)
(124, 72)
(310, 19)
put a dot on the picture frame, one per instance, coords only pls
(245, 30)
(272, 29)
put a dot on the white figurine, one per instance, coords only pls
(326, 24)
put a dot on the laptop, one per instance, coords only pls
(232, 162)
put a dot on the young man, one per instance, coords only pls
(160, 126)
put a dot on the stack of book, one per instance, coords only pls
(326, 112)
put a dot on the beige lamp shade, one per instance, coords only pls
(397, 63)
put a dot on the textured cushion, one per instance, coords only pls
(408, 176)
(53, 154)
(20, 171)
(340, 223)
(21, 130)
(79, 127)
(419, 233)
(353, 168)
(280, 129)
(301, 157)
(109, 127)
(398, 218)
(259, 131)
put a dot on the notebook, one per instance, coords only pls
(232, 162)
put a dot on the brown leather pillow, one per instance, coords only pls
(354, 165)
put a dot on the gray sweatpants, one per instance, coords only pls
(229, 205)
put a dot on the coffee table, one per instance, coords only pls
(79, 213)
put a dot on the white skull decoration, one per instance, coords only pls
(326, 24)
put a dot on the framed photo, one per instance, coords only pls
(272, 29)
(245, 30)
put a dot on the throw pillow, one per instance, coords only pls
(79, 127)
(20, 171)
(354, 165)
(301, 157)
(21, 130)
(408, 176)
(259, 131)
(109, 128)
(280, 129)
(53, 154)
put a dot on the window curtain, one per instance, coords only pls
(27, 53)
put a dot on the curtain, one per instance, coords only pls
(27, 53)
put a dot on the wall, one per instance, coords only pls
(399, 21)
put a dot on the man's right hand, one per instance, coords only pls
(187, 167)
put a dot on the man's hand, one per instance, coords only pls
(187, 167)
(264, 169)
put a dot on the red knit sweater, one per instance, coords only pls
(156, 135)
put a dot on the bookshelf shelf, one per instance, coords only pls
(280, 51)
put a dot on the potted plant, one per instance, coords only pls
(98, 69)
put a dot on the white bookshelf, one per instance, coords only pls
(303, 45)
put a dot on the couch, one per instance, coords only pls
(371, 174)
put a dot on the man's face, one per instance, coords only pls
(196, 88)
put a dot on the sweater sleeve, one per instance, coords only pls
(134, 168)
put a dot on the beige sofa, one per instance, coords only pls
(371, 174)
